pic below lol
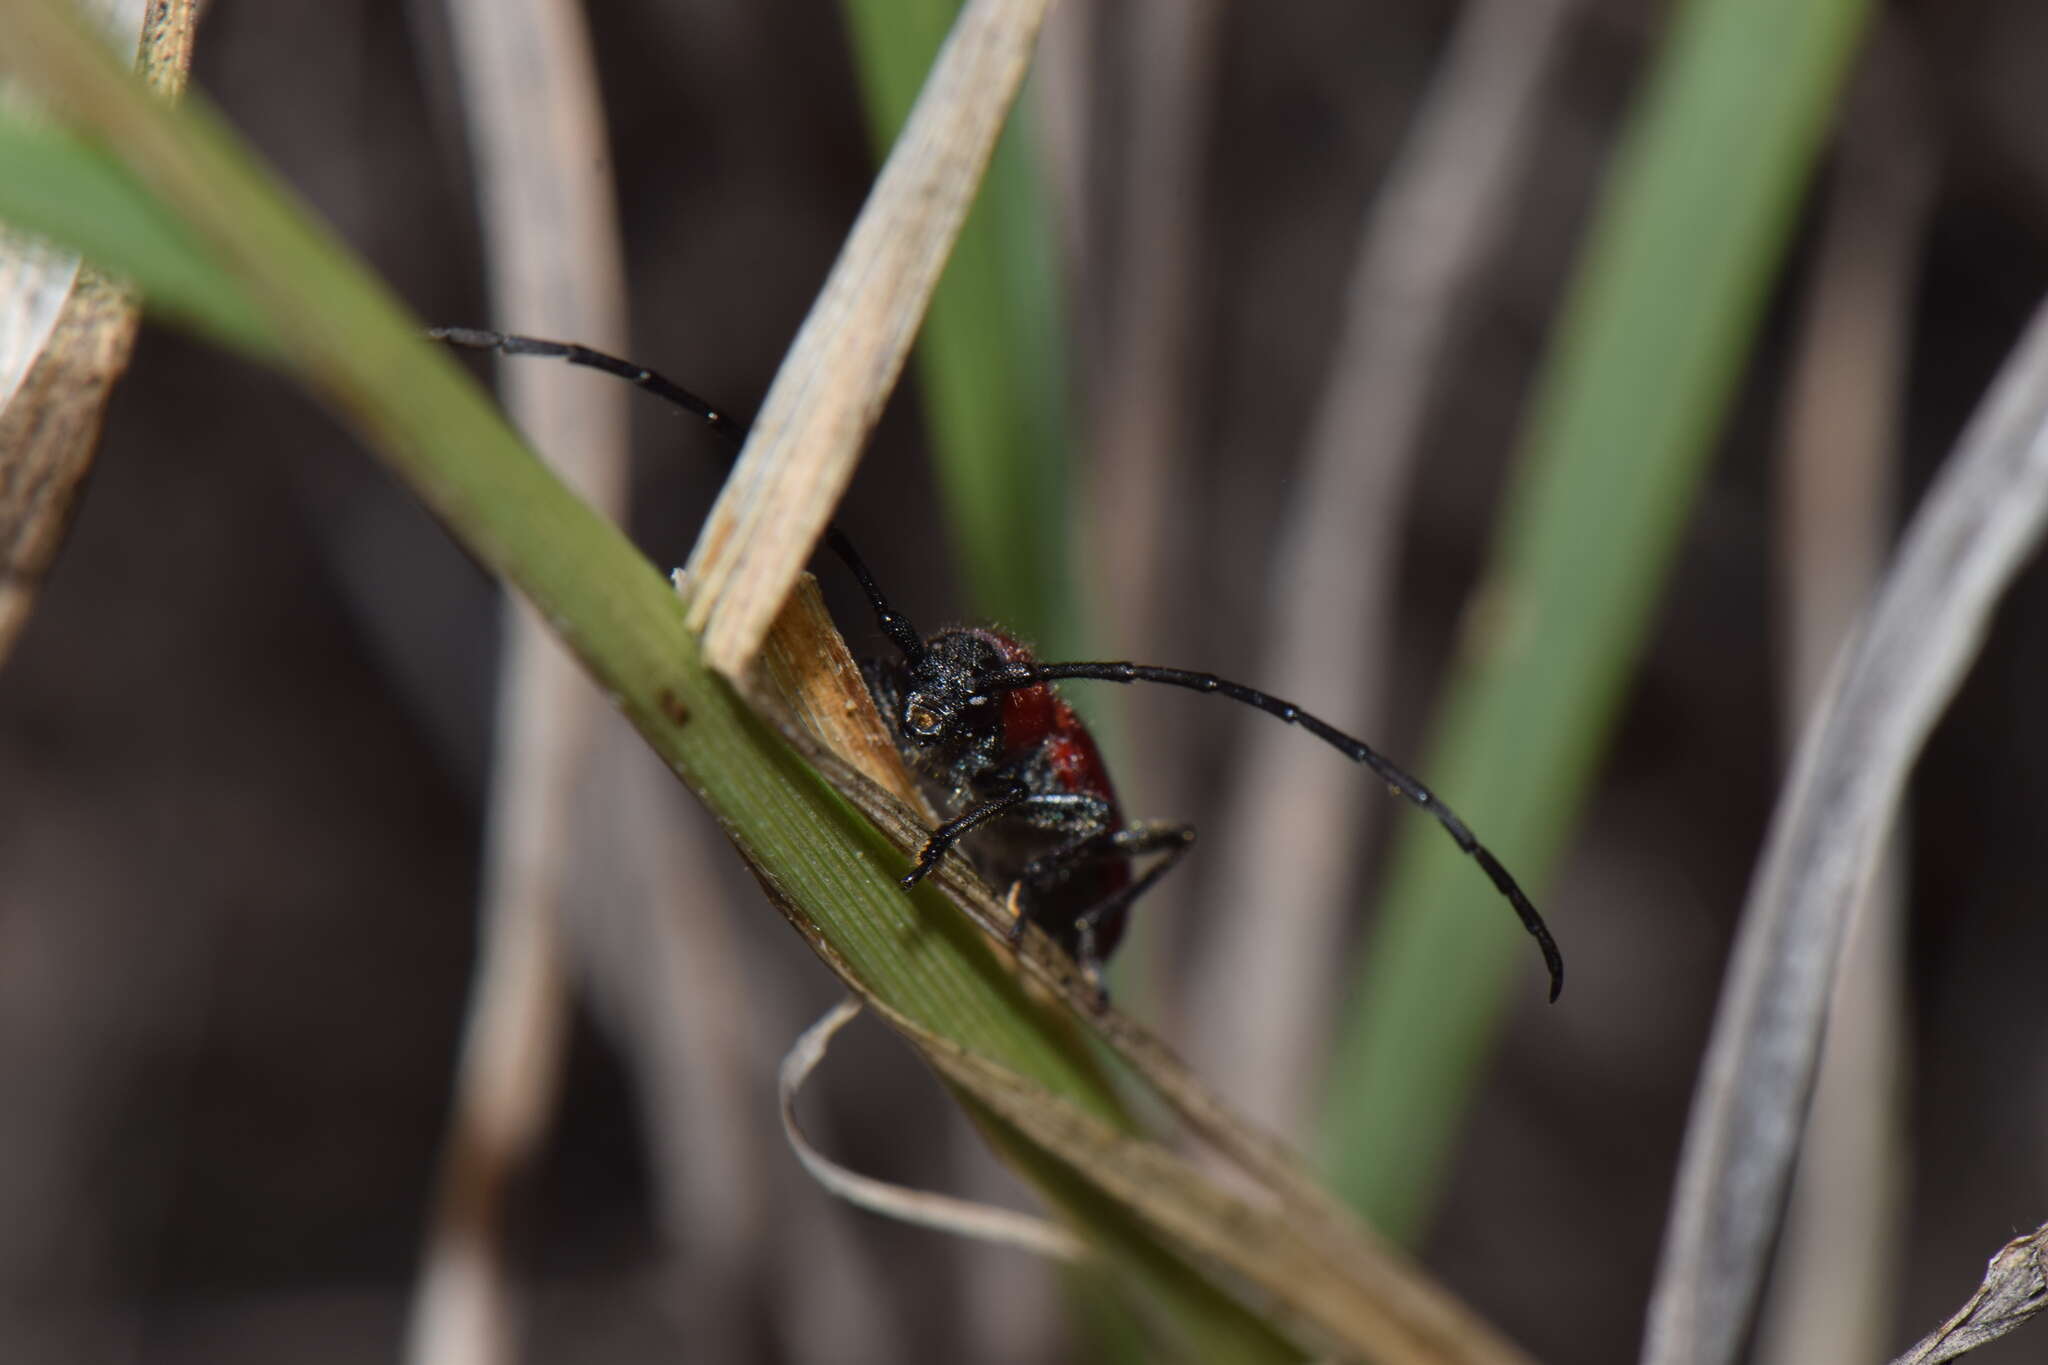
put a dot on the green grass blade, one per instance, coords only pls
(989, 360)
(1690, 231)
(62, 187)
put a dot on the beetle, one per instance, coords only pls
(1007, 760)
(1016, 759)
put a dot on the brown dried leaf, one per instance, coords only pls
(830, 390)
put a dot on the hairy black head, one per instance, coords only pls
(948, 724)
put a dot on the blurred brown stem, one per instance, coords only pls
(536, 129)
(1434, 226)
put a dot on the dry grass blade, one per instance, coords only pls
(536, 127)
(939, 1212)
(2015, 1288)
(1980, 520)
(65, 334)
(1835, 1282)
(1289, 1241)
(831, 387)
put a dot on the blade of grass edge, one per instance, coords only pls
(1688, 234)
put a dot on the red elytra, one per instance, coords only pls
(1040, 718)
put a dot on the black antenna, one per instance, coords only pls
(1398, 779)
(892, 623)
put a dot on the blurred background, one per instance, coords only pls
(246, 740)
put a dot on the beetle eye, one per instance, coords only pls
(922, 721)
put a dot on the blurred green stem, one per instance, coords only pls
(1688, 235)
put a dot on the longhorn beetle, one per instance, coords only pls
(978, 720)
